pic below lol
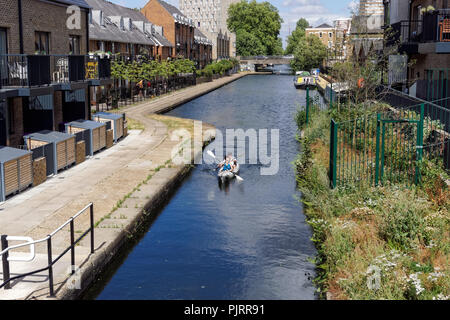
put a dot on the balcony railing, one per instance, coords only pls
(98, 67)
(434, 27)
(67, 68)
(18, 70)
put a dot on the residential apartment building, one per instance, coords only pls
(421, 30)
(177, 28)
(210, 16)
(202, 49)
(335, 38)
(42, 67)
(117, 29)
(326, 34)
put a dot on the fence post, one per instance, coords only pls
(72, 249)
(377, 151)
(50, 265)
(419, 146)
(307, 105)
(6, 273)
(92, 227)
(331, 95)
(333, 153)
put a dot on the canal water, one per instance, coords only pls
(246, 240)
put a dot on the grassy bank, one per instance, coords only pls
(389, 242)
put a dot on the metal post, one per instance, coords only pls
(307, 105)
(72, 246)
(50, 266)
(419, 146)
(6, 273)
(377, 151)
(331, 95)
(333, 153)
(92, 227)
(383, 127)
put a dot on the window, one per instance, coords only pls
(42, 43)
(3, 41)
(330, 35)
(320, 34)
(74, 45)
(199, 24)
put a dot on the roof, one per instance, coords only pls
(107, 115)
(111, 32)
(324, 26)
(175, 11)
(80, 3)
(8, 154)
(170, 8)
(49, 136)
(86, 124)
(200, 37)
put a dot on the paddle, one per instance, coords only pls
(212, 155)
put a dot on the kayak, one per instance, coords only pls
(228, 175)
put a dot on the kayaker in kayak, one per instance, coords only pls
(226, 166)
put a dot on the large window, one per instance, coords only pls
(74, 45)
(42, 43)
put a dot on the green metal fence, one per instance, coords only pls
(314, 102)
(389, 145)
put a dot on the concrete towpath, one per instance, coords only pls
(126, 183)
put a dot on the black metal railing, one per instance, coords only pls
(67, 68)
(98, 67)
(434, 27)
(18, 70)
(7, 279)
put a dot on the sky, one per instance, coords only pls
(315, 11)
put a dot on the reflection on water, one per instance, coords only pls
(240, 240)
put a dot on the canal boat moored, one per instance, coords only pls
(303, 80)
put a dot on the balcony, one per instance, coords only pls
(429, 35)
(24, 70)
(62, 72)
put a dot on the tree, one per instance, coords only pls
(257, 23)
(309, 53)
(298, 34)
(248, 44)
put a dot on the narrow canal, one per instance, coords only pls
(246, 241)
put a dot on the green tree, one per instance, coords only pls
(248, 44)
(251, 20)
(309, 53)
(298, 34)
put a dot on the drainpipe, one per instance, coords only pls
(20, 26)
(87, 30)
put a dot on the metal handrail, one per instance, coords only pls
(5, 249)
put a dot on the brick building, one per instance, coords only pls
(422, 30)
(117, 29)
(42, 82)
(202, 49)
(177, 28)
